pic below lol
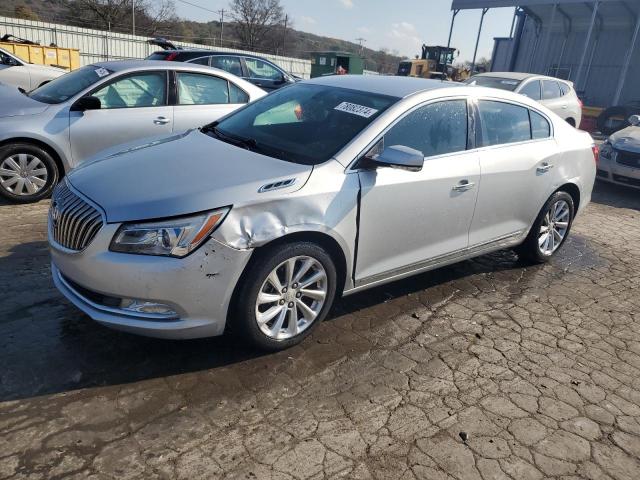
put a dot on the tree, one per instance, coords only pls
(25, 12)
(254, 20)
(117, 14)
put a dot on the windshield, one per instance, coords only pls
(68, 85)
(303, 123)
(494, 82)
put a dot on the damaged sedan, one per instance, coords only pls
(323, 188)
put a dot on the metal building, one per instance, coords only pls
(593, 43)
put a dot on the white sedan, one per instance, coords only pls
(18, 73)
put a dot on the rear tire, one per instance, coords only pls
(276, 307)
(28, 173)
(550, 229)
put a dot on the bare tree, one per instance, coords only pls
(117, 14)
(254, 19)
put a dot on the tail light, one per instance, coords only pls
(596, 153)
(171, 56)
(581, 103)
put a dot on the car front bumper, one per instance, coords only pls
(195, 291)
(610, 170)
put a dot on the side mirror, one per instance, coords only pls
(86, 103)
(634, 120)
(399, 156)
(283, 79)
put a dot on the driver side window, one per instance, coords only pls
(137, 90)
(434, 129)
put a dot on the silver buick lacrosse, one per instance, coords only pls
(326, 187)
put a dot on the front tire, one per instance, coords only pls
(28, 173)
(550, 229)
(287, 291)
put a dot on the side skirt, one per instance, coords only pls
(437, 262)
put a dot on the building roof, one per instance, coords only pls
(474, 4)
(383, 84)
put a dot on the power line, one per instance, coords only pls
(199, 6)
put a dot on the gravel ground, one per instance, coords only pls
(483, 370)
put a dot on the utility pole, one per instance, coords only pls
(133, 15)
(361, 42)
(221, 25)
(284, 34)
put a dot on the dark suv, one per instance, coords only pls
(256, 70)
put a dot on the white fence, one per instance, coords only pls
(99, 45)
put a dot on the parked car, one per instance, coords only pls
(620, 156)
(18, 73)
(54, 128)
(557, 95)
(257, 70)
(268, 216)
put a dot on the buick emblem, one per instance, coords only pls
(55, 214)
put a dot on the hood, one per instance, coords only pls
(14, 103)
(627, 139)
(180, 175)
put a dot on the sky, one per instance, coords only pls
(402, 25)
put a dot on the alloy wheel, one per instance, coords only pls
(291, 297)
(554, 227)
(23, 174)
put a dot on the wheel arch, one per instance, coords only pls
(573, 190)
(39, 143)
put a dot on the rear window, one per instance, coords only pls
(503, 123)
(494, 82)
(550, 89)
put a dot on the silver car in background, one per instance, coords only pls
(326, 187)
(557, 95)
(620, 156)
(18, 73)
(49, 131)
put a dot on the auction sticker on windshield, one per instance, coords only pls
(356, 109)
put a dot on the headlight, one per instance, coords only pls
(172, 238)
(606, 150)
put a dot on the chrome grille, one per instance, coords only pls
(73, 222)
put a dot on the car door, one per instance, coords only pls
(263, 74)
(132, 106)
(203, 98)
(407, 218)
(517, 158)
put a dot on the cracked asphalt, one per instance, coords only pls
(482, 370)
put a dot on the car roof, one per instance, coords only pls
(122, 65)
(209, 52)
(383, 84)
(516, 76)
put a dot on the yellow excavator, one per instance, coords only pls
(435, 62)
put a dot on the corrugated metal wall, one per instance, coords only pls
(98, 45)
(603, 63)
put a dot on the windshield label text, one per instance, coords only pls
(356, 109)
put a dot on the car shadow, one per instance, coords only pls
(48, 346)
(618, 196)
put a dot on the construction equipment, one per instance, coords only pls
(435, 62)
(33, 52)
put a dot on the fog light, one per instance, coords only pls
(141, 306)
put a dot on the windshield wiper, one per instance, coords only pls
(248, 143)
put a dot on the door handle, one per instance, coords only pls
(565, 106)
(463, 186)
(161, 121)
(544, 168)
